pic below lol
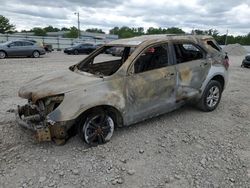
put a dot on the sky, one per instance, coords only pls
(231, 15)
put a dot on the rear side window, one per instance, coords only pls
(27, 44)
(186, 52)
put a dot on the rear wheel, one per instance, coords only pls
(36, 54)
(2, 55)
(96, 128)
(211, 96)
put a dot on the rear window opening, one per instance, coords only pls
(107, 61)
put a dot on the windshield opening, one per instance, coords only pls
(107, 61)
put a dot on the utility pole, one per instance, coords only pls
(78, 21)
(226, 38)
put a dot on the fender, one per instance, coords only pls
(73, 106)
(214, 71)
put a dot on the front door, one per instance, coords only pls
(15, 49)
(150, 89)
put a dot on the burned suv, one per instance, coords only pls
(103, 92)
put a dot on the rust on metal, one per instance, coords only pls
(56, 101)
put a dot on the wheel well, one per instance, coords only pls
(36, 51)
(220, 79)
(112, 111)
(4, 52)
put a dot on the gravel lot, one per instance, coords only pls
(185, 148)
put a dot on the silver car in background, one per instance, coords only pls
(20, 48)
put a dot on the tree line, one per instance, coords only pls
(127, 32)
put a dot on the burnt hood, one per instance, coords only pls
(55, 83)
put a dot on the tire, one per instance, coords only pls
(211, 96)
(36, 54)
(2, 55)
(96, 128)
(76, 52)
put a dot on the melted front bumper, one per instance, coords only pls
(32, 117)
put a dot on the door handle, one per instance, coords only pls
(169, 75)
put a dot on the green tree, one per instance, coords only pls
(73, 33)
(51, 29)
(174, 30)
(5, 26)
(38, 31)
(65, 29)
(152, 31)
(95, 30)
(114, 31)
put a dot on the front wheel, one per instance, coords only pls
(211, 96)
(2, 54)
(96, 128)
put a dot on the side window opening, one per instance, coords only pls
(187, 52)
(214, 45)
(105, 64)
(152, 58)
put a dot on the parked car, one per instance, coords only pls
(118, 51)
(20, 48)
(86, 48)
(98, 94)
(110, 50)
(246, 62)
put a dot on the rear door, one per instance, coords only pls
(85, 48)
(150, 88)
(27, 48)
(192, 68)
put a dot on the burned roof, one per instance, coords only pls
(135, 41)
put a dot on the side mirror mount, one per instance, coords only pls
(8, 46)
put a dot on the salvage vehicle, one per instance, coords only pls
(246, 62)
(94, 96)
(20, 48)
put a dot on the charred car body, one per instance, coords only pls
(95, 96)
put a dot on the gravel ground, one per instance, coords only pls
(185, 148)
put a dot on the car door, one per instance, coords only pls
(81, 48)
(150, 88)
(14, 49)
(87, 48)
(192, 68)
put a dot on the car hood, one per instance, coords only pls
(56, 83)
